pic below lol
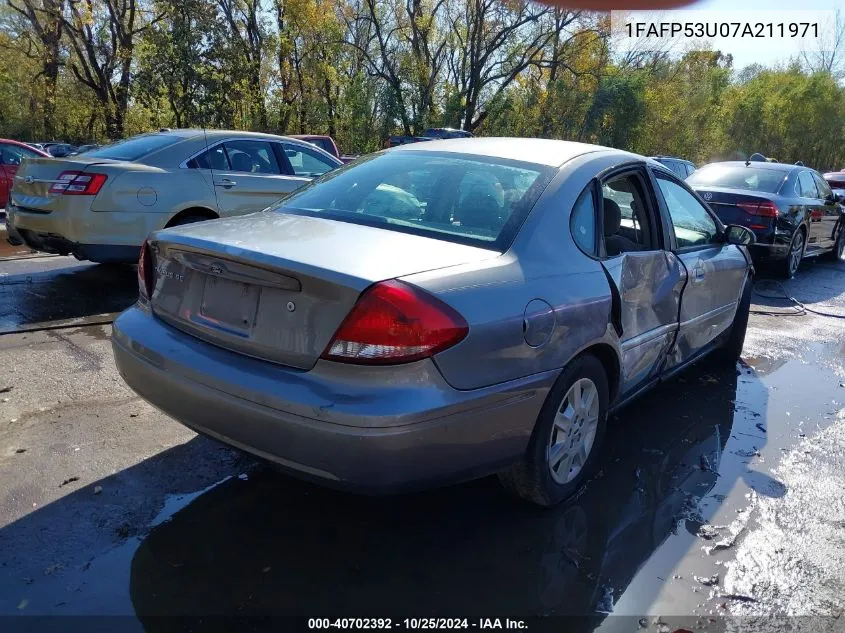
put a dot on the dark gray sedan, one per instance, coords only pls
(438, 312)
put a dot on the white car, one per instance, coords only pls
(102, 205)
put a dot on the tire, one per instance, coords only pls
(838, 252)
(797, 246)
(731, 350)
(188, 219)
(532, 478)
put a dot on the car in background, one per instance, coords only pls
(37, 146)
(12, 154)
(398, 139)
(488, 324)
(59, 150)
(791, 209)
(836, 179)
(84, 148)
(325, 143)
(682, 168)
(446, 132)
(102, 204)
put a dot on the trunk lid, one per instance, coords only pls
(732, 206)
(31, 187)
(277, 286)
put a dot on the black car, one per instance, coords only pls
(59, 150)
(446, 132)
(682, 168)
(790, 208)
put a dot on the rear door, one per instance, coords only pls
(716, 271)
(830, 212)
(647, 279)
(814, 207)
(247, 175)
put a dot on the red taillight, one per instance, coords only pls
(764, 209)
(77, 183)
(393, 322)
(146, 276)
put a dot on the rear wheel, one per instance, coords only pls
(838, 252)
(567, 436)
(790, 265)
(187, 219)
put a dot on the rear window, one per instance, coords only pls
(135, 147)
(323, 143)
(455, 197)
(738, 177)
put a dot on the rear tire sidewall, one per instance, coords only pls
(785, 270)
(546, 490)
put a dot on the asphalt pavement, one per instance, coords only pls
(720, 495)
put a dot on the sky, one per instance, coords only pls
(746, 52)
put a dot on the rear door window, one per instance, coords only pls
(806, 185)
(252, 157)
(625, 216)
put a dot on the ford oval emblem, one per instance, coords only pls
(217, 269)
(29, 180)
(708, 196)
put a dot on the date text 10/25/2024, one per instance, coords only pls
(386, 624)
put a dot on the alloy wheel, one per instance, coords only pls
(573, 432)
(796, 252)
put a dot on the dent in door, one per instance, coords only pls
(649, 288)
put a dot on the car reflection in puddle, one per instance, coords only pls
(268, 545)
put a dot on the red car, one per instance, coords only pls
(836, 179)
(11, 155)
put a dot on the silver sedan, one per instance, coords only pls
(437, 312)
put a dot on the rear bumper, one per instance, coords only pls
(352, 428)
(95, 236)
(102, 253)
(764, 252)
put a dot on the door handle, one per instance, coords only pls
(226, 183)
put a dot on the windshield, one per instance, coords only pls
(738, 177)
(134, 148)
(467, 199)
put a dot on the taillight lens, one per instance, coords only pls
(146, 275)
(392, 323)
(765, 209)
(77, 183)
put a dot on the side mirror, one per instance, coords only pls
(739, 235)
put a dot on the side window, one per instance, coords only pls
(624, 216)
(583, 222)
(215, 158)
(305, 162)
(254, 157)
(692, 223)
(823, 187)
(14, 155)
(806, 187)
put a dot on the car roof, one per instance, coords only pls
(783, 167)
(540, 151)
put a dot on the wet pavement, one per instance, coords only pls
(720, 495)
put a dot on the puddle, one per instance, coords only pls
(45, 292)
(680, 467)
